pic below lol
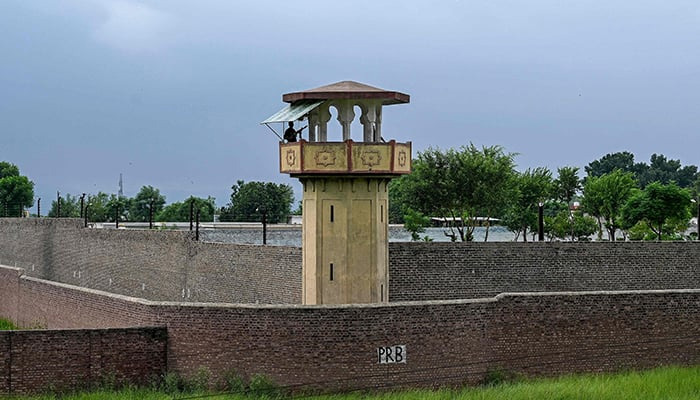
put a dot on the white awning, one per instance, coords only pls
(293, 111)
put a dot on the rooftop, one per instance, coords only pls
(347, 90)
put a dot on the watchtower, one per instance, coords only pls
(346, 196)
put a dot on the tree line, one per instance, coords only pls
(465, 187)
(249, 200)
(618, 198)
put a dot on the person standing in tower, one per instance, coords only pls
(290, 135)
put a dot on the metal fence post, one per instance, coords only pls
(150, 214)
(196, 232)
(191, 211)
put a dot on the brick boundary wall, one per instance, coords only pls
(157, 265)
(170, 266)
(451, 342)
(446, 271)
(67, 360)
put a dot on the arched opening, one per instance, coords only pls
(356, 128)
(334, 128)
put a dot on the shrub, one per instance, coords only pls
(262, 387)
(498, 376)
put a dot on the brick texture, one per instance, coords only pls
(156, 265)
(451, 342)
(442, 271)
(63, 360)
(170, 266)
(578, 307)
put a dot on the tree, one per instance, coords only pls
(70, 207)
(140, 205)
(8, 169)
(247, 199)
(180, 211)
(567, 184)
(623, 161)
(604, 197)
(415, 223)
(531, 188)
(663, 170)
(495, 188)
(117, 206)
(456, 185)
(658, 205)
(96, 207)
(16, 191)
(575, 225)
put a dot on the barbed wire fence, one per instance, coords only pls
(13, 210)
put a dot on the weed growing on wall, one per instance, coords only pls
(7, 325)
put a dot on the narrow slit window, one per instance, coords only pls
(382, 293)
(332, 214)
(381, 213)
(331, 271)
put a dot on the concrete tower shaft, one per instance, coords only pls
(346, 193)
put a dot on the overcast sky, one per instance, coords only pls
(170, 93)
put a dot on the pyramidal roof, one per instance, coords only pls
(347, 90)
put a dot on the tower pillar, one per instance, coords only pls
(345, 247)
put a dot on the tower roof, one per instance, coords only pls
(347, 90)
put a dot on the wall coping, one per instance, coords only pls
(80, 330)
(497, 298)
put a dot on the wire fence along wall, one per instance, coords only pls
(18, 210)
(13, 210)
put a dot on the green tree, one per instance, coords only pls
(604, 197)
(8, 169)
(96, 206)
(659, 206)
(180, 211)
(531, 188)
(567, 184)
(415, 223)
(495, 187)
(16, 194)
(575, 225)
(70, 207)
(247, 199)
(663, 170)
(16, 191)
(456, 185)
(623, 161)
(115, 204)
(140, 205)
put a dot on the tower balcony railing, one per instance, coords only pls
(348, 157)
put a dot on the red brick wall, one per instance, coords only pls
(447, 342)
(447, 271)
(156, 265)
(170, 266)
(9, 292)
(60, 360)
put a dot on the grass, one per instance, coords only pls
(7, 325)
(675, 383)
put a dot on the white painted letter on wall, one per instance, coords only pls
(392, 354)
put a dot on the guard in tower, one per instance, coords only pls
(290, 135)
(345, 249)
